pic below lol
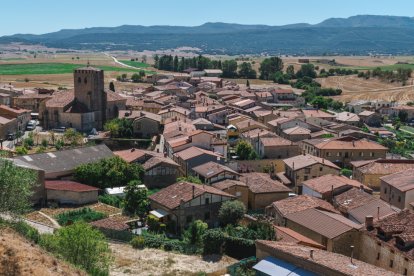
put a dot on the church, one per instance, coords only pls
(85, 107)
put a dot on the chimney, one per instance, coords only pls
(248, 124)
(193, 191)
(369, 223)
(133, 149)
(352, 254)
(311, 253)
(378, 213)
(293, 165)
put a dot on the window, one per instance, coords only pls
(378, 256)
(238, 194)
(207, 201)
(361, 154)
(320, 169)
(372, 154)
(307, 170)
(399, 198)
(328, 154)
(385, 190)
(206, 215)
(189, 219)
(306, 177)
(405, 271)
(391, 263)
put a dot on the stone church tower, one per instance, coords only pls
(90, 94)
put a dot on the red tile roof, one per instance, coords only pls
(300, 203)
(284, 234)
(259, 183)
(65, 185)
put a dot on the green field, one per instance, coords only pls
(135, 63)
(52, 68)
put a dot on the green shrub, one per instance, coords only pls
(27, 231)
(112, 200)
(153, 223)
(231, 212)
(174, 245)
(213, 240)
(138, 242)
(153, 241)
(84, 214)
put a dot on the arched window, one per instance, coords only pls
(79, 80)
(85, 81)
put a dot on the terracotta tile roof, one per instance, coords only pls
(66, 185)
(327, 224)
(228, 183)
(299, 203)
(317, 113)
(366, 113)
(343, 144)
(297, 130)
(254, 133)
(321, 258)
(383, 166)
(376, 208)
(158, 160)
(327, 183)
(192, 152)
(402, 181)
(113, 97)
(302, 161)
(172, 196)
(13, 110)
(284, 234)
(61, 99)
(347, 117)
(275, 141)
(114, 223)
(131, 155)
(353, 198)
(211, 169)
(259, 183)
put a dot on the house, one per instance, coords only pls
(213, 72)
(348, 118)
(7, 126)
(278, 210)
(116, 227)
(212, 172)
(160, 172)
(316, 113)
(134, 155)
(21, 117)
(283, 259)
(236, 188)
(388, 242)
(356, 204)
(62, 164)
(398, 189)
(344, 150)
(70, 192)
(144, 124)
(245, 104)
(394, 111)
(327, 186)
(263, 190)
(174, 113)
(193, 157)
(305, 166)
(30, 101)
(369, 172)
(370, 118)
(277, 147)
(296, 134)
(183, 202)
(338, 237)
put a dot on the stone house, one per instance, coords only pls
(193, 157)
(387, 243)
(296, 134)
(183, 202)
(21, 116)
(7, 126)
(348, 118)
(236, 188)
(277, 147)
(304, 167)
(70, 192)
(263, 190)
(144, 124)
(398, 189)
(30, 101)
(160, 172)
(370, 118)
(344, 150)
(369, 172)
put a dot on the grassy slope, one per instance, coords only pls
(50, 68)
(384, 67)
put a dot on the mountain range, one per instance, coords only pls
(361, 34)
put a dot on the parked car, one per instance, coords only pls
(11, 136)
(59, 129)
(31, 125)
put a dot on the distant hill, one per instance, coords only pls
(361, 34)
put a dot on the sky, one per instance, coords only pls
(43, 16)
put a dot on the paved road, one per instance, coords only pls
(122, 64)
(43, 229)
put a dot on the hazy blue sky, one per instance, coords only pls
(40, 16)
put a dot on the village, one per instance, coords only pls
(269, 175)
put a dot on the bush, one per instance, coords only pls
(112, 200)
(21, 150)
(213, 240)
(138, 242)
(84, 214)
(194, 234)
(231, 212)
(153, 241)
(174, 245)
(239, 248)
(27, 231)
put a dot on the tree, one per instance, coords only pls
(229, 68)
(136, 199)
(245, 151)
(112, 86)
(403, 116)
(175, 64)
(246, 71)
(122, 128)
(269, 66)
(290, 70)
(73, 137)
(82, 246)
(16, 186)
(194, 234)
(231, 212)
(108, 173)
(306, 70)
(190, 178)
(136, 77)
(144, 59)
(248, 84)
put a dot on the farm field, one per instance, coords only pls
(135, 63)
(354, 88)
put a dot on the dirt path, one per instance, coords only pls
(130, 261)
